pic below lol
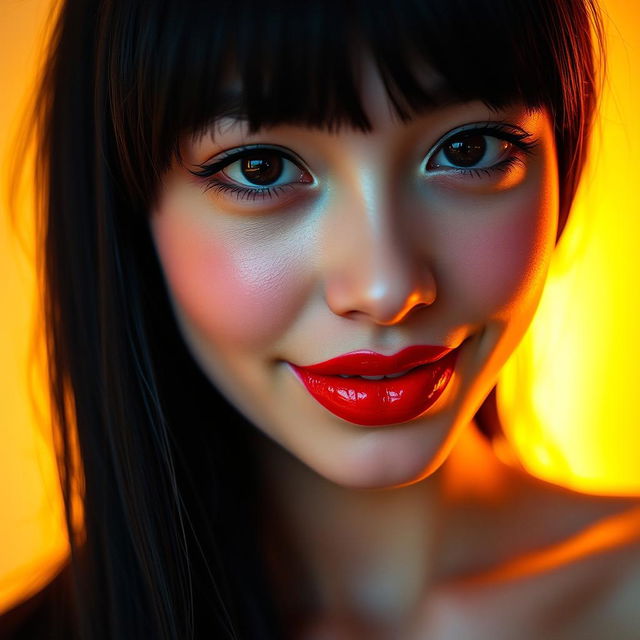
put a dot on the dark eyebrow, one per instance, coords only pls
(229, 104)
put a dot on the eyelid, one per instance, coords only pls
(510, 132)
(225, 158)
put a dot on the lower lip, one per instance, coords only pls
(378, 403)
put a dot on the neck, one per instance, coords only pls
(370, 553)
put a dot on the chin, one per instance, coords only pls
(382, 457)
(388, 457)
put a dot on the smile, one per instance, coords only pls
(369, 389)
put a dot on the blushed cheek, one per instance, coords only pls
(502, 259)
(232, 291)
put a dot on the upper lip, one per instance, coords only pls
(370, 363)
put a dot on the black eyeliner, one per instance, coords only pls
(505, 132)
(228, 157)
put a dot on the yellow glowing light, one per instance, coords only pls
(569, 396)
(32, 535)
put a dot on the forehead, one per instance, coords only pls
(377, 105)
(305, 63)
(309, 66)
(388, 135)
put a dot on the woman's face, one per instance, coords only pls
(295, 246)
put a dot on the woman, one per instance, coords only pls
(287, 249)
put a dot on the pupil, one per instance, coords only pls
(465, 152)
(262, 169)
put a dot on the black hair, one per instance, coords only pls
(170, 547)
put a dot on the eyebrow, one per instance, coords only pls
(230, 105)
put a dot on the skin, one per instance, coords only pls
(371, 247)
(375, 254)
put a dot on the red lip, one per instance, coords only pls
(370, 363)
(386, 401)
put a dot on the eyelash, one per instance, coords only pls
(247, 193)
(240, 192)
(521, 139)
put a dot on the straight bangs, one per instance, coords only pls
(169, 516)
(172, 68)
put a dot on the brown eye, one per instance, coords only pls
(466, 151)
(470, 151)
(262, 169)
(252, 173)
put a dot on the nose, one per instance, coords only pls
(375, 267)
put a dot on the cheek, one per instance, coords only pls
(498, 257)
(231, 289)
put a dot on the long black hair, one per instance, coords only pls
(169, 545)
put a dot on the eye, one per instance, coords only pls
(249, 173)
(470, 150)
(264, 169)
(482, 150)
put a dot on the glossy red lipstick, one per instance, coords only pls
(403, 387)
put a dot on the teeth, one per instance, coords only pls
(397, 375)
(391, 375)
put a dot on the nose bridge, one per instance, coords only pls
(372, 262)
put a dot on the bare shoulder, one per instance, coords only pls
(556, 564)
(587, 580)
(602, 581)
(615, 573)
(548, 563)
(583, 587)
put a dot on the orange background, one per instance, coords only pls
(568, 397)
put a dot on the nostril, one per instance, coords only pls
(385, 296)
